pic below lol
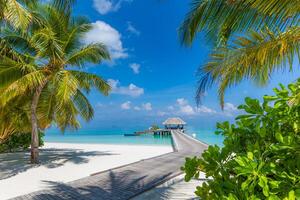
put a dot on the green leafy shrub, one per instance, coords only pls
(261, 154)
(19, 141)
(154, 127)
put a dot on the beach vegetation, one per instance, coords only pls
(19, 142)
(154, 127)
(261, 152)
(251, 39)
(42, 68)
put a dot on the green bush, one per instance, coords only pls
(19, 141)
(261, 154)
(154, 127)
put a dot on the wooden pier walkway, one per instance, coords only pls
(125, 182)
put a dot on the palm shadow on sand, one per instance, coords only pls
(107, 186)
(13, 163)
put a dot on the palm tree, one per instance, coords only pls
(252, 39)
(42, 65)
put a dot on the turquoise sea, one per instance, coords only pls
(207, 136)
(117, 137)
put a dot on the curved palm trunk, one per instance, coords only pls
(34, 157)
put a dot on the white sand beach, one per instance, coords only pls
(64, 162)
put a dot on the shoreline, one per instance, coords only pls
(121, 144)
(65, 162)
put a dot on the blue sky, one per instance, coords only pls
(152, 74)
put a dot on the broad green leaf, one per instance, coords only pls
(279, 137)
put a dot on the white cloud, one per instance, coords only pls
(132, 29)
(182, 101)
(230, 107)
(170, 108)
(104, 33)
(137, 108)
(126, 105)
(184, 107)
(105, 6)
(204, 109)
(135, 67)
(130, 90)
(187, 110)
(147, 106)
(161, 113)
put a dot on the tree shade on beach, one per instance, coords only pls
(252, 39)
(41, 68)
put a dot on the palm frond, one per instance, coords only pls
(79, 27)
(254, 57)
(16, 14)
(92, 53)
(87, 81)
(84, 107)
(48, 44)
(222, 18)
(21, 86)
(66, 117)
(66, 86)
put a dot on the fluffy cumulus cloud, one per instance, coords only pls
(137, 108)
(147, 106)
(135, 67)
(204, 109)
(230, 109)
(104, 33)
(130, 90)
(106, 6)
(184, 107)
(126, 105)
(132, 29)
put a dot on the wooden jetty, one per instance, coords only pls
(155, 132)
(126, 182)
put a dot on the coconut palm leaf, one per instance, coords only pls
(21, 86)
(83, 106)
(14, 118)
(16, 13)
(222, 18)
(92, 53)
(254, 56)
(78, 28)
(66, 87)
(87, 81)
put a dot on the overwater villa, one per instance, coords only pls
(174, 123)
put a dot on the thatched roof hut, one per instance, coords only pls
(174, 123)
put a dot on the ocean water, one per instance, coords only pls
(117, 137)
(207, 136)
(106, 137)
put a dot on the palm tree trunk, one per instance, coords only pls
(34, 157)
